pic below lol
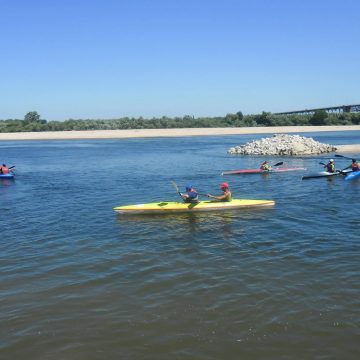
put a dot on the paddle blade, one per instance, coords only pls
(279, 163)
(175, 186)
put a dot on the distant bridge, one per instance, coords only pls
(342, 108)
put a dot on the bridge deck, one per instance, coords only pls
(341, 108)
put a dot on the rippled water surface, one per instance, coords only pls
(80, 282)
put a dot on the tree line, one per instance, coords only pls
(33, 122)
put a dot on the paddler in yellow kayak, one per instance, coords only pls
(226, 196)
(191, 195)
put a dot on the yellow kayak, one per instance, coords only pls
(208, 205)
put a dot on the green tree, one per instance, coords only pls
(318, 118)
(240, 115)
(32, 116)
(263, 119)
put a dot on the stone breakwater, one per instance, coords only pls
(283, 144)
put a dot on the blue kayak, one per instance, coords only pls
(7, 176)
(353, 175)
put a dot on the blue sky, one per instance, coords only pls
(110, 59)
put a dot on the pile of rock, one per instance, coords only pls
(283, 144)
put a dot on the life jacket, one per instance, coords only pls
(192, 196)
(265, 167)
(229, 198)
(4, 169)
(330, 167)
(355, 166)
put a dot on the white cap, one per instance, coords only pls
(331, 160)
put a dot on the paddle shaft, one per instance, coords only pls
(176, 187)
(345, 157)
(178, 191)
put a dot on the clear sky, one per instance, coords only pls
(114, 58)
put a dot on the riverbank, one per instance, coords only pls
(142, 133)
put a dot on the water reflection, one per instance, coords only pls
(193, 216)
(226, 222)
(6, 182)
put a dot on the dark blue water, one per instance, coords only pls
(79, 282)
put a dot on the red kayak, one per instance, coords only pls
(260, 171)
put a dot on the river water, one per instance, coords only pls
(80, 282)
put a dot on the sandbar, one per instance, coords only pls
(151, 133)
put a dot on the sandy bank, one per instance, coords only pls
(353, 148)
(142, 133)
(134, 133)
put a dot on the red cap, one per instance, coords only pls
(224, 185)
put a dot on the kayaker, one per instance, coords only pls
(355, 166)
(4, 169)
(191, 195)
(330, 166)
(265, 166)
(226, 196)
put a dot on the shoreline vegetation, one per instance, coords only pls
(32, 122)
(179, 132)
(35, 128)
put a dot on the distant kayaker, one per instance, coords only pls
(4, 169)
(191, 195)
(226, 193)
(355, 166)
(265, 166)
(330, 166)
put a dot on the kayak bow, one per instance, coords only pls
(352, 175)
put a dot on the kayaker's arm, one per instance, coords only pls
(212, 197)
(220, 198)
